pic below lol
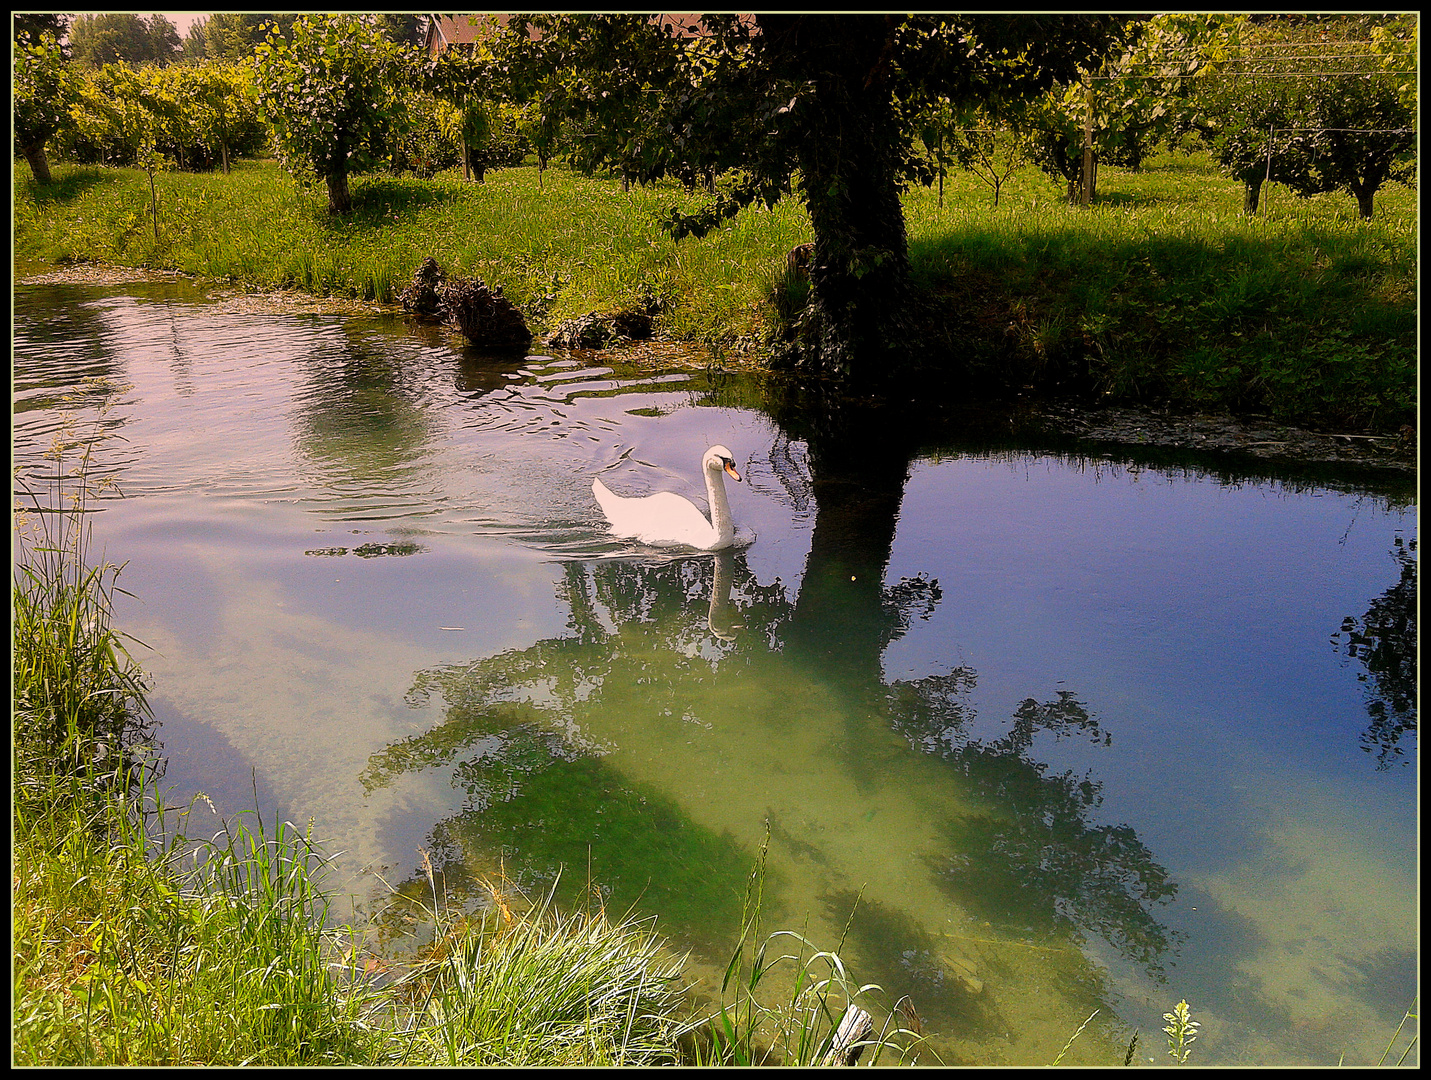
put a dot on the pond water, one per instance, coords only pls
(1029, 731)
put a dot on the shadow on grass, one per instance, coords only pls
(379, 202)
(1126, 200)
(67, 188)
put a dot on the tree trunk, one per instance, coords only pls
(1364, 194)
(339, 202)
(39, 164)
(847, 159)
(224, 149)
(154, 206)
(1252, 192)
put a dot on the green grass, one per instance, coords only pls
(561, 248)
(1163, 293)
(124, 957)
(539, 986)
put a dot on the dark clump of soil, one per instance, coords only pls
(485, 317)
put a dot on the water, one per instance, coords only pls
(1063, 732)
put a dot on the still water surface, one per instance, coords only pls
(1064, 731)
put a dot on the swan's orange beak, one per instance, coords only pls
(730, 468)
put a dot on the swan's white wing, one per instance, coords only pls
(663, 518)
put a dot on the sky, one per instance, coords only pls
(182, 20)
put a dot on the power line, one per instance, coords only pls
(1386, 131)
(1248, 74)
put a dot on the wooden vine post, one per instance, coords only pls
(1086, 195)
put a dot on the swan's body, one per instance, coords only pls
(666, 519)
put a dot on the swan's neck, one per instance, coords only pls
(720, 507)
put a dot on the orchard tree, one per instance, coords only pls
(45, 90)
(1254, 127)
(977, 139)
(222, 101)
(466, 80)
(1136, 97)
(1343, 130)
(828, 102)
(333, 96)
(1364, 135)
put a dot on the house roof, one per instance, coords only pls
(444, 31)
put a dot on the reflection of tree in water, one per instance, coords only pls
(359, 417)
(540, 794)
(1034, 862)
(653, 646)
(1384, 640)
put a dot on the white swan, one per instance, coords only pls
(667, 518)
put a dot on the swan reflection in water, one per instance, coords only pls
(724, 618)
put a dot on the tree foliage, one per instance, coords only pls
(124, 37)
(1384, 640)
(30, 28)
(823, 104)
(44, 92)
(233, 35)
(333, 97)
(1345, 126)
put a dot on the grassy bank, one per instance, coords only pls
(1162, 294)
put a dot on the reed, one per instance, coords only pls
(761, 1026)
(78, 694)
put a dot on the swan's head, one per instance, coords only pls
(718, 458)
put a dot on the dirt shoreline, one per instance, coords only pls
(1259, 437)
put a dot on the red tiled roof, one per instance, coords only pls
(444, 31)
